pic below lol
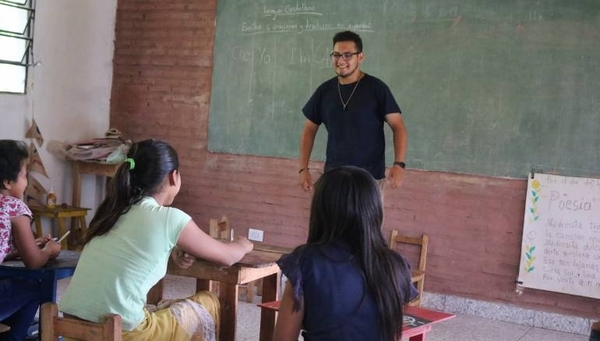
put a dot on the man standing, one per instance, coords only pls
(353, 107)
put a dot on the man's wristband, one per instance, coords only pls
(401, 164)
(302, 170)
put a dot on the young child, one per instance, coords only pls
(127, 248)
(19, 298)
(344, 283)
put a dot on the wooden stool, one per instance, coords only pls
(60, 213)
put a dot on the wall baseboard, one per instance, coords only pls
(507, 313)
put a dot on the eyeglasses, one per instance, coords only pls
(345, 56)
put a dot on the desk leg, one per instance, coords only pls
(419, 333)
(48, 288)
(81, 232)
(76, 184)
(155, 294)
(38, 227)
(229, 304)
(203, 285)
(270, 292)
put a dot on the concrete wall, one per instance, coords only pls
(161, 89)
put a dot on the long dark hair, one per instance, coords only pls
(12, 155)
(347, 206)
(151, 161)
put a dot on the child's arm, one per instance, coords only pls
(288, 321)
(183, 259)
(199, 244)
(29, 251)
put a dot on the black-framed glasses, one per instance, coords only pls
(345, 56)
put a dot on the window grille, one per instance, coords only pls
(16, 44)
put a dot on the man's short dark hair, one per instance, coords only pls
(348, 36)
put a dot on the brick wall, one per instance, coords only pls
(161, 89)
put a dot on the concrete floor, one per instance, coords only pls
(462, 327)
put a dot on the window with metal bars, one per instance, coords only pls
(16, 44)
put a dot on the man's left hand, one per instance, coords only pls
(396, 176)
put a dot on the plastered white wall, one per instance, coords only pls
(69, 93)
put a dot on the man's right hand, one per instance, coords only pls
(306, 180)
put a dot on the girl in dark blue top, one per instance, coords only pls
(344, 283)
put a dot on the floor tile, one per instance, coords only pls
(536, 334)
(465, 327)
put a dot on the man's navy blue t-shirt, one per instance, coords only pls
(355, 136)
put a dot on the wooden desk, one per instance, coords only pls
(255, 265)
(94, 168)
(418, 321)
(60, 213)
(61, 267)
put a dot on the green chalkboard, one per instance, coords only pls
(486, 87)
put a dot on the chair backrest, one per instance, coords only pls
(54, 326)
(414, 249)
(595, 331)
(220, 229)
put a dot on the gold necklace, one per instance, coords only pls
(352, 93)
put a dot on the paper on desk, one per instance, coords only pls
(101, 150)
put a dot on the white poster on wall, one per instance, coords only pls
(561, 235)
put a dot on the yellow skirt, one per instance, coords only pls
(195, 318)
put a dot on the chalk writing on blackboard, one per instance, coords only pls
(561, 235)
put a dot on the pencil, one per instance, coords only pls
(63, 237)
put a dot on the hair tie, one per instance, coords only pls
(131, 163)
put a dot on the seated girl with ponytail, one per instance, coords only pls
(127, 247)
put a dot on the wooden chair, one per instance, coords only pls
(219, 230)
(413, 249)
(417, 275)
(595, 331)
(222, 230)
(53, 326)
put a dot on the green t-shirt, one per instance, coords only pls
(116, 270)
